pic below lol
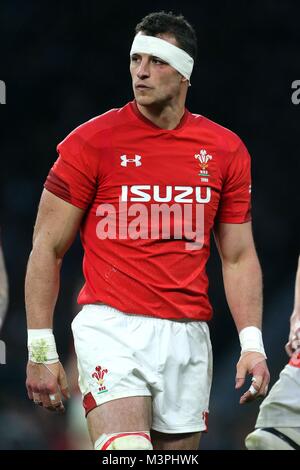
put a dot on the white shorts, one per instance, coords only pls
(281, 408)
(124, 355)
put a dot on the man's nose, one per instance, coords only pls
(143, 70)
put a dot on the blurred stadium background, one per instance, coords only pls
(65, 62)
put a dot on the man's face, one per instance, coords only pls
(153, 80)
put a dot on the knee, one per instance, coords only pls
(124, 441)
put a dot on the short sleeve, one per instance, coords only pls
(235, 199)
(73, 176)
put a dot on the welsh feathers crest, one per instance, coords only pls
(203, 158)
(99, 376)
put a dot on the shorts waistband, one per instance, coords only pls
(130, 314)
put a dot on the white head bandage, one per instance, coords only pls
(173, 55)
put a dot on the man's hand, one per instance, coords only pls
(294, 337)
(46, 385)
(252, 363)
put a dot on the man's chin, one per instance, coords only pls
(144, 100)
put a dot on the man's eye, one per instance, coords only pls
(158, 61)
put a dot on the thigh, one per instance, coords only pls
(186, 441)
(122, 415)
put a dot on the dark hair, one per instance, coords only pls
(175, 25)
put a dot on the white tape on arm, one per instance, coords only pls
(251, 340)
(41, 346)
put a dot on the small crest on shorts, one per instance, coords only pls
(295, 359)
(98, 375)
(205, 419)
(203, 157)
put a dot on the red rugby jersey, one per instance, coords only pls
(137, 182)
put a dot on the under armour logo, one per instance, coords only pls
(136, 160)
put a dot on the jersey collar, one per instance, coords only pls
(141, 117)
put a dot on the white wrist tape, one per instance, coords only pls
(251, 340)
(173, 55)
(41, 346)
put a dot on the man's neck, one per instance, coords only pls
(167, 117)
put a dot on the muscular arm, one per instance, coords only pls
(56, 227)
(3, 289)
(294, 336)
(243, 287)
(241, 273)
